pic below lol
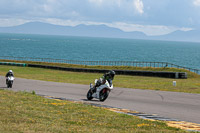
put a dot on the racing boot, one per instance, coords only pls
(93, 89)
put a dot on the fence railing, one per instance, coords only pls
(103, 63)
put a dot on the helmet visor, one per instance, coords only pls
(112, 76)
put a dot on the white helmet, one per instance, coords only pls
(10, 71)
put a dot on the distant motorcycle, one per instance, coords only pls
(101, 93)
(10, 81)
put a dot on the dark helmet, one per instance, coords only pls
(111, 74)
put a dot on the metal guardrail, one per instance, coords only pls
(103, 63)
(13, 64)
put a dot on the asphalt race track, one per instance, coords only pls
(174, 105)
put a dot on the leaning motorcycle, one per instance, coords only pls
(101, 93)
(10, 80)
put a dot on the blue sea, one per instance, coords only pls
(185, 54)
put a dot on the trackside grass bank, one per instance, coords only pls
(26, 112)
(167, 69)
(190, 85)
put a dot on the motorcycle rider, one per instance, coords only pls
(10, 73)
(109, 76)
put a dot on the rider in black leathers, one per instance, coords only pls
(109, 76)
(10, 73)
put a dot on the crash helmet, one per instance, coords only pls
(10, 71)
(111, 74)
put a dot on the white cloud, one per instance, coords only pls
(61, 22)
(186, 29)
(196, 2)
(7, 22)
(96, 1)
(139, 6)
(148, 16)
(126, 8)
(108, 2)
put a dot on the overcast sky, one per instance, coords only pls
(152, 17)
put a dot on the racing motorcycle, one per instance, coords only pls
(10, 81)
(101, 93)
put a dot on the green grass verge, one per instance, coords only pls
(26, 112)
(190, 85)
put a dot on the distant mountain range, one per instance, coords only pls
(97, 31)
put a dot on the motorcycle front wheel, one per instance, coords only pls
(8, 85)
(89, 95)
(103, 95)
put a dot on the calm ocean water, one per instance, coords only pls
(102, 49)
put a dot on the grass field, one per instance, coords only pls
(26, 112)
(190, 85)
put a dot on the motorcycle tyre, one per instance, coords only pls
(9, 85)
(101, 97)
(89, 95)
